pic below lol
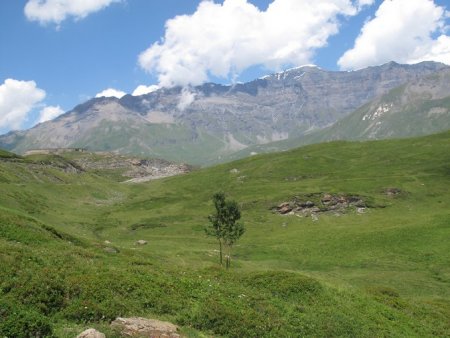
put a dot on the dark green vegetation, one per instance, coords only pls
(69, 258)
(6, 154)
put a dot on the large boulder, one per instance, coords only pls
(142, 327)
(91, 333)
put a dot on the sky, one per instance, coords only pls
(56, 54)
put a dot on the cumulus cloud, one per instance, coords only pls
(224, 39)
(186, 98)
(406, 31)
(56, 11)
(111, 92)
(142, 90)
(17, 99)
(49, 113)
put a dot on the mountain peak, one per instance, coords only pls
(218, 119)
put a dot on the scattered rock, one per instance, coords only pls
(142, 327)
(141, 242)
(392, 191)
(91, 333)
(284, 208)
(307, 204)
(315, 209)
(314, 217)
(327, 198)
(109, 249)
(361, 210)
(107, 242)
(359, 204)
(234, 171)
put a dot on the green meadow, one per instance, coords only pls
(69, 258)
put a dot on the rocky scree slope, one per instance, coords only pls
(113, 166)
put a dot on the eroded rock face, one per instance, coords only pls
(91, 333)
(142, 327)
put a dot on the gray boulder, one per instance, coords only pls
(142, 327)
(91, 333)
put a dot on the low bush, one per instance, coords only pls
(17, 321)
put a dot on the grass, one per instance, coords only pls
(382, 273)
(7, 155)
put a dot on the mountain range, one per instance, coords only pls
(212, 122)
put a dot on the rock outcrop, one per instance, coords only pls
(142, 327)
(312, 204)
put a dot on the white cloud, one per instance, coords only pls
(56, 11)
(142, 90)
(438, 50)
(17, 99)
(186, 98)
(49, 113)
(402, 31)
(111, 92)
(224, 39)
(362, 3)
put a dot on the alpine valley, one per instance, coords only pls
(213, 123)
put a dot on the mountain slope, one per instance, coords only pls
(419, 107)
(205, 123)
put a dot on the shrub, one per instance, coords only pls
(285, 285)
(44, 293)
(18, 322)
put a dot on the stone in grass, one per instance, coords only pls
(392, 191)
(91, 333)
(142, 327)
(141, 242)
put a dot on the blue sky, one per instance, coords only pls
(56, 54)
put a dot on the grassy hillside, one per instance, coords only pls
(70, 260)
(7, 154)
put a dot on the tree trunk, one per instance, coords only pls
(220, 252)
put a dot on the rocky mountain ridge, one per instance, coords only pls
(204, 123)
(419, 107)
